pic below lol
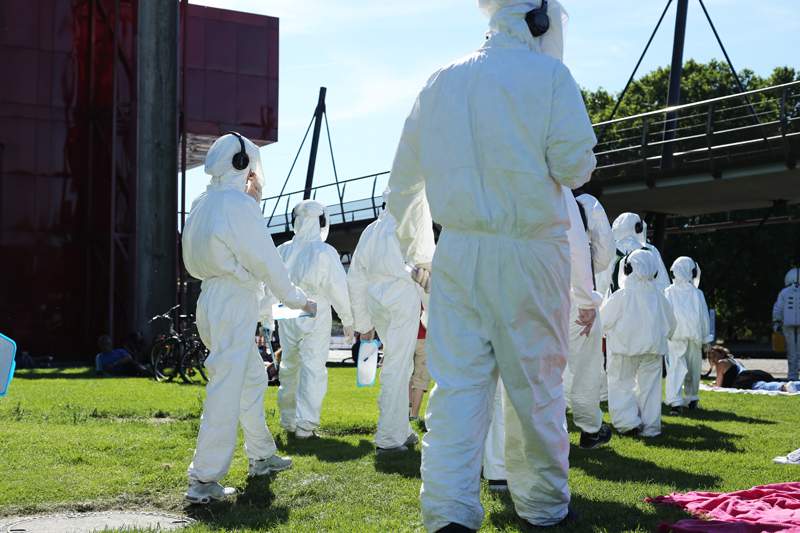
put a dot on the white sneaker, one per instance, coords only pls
(275, 463)
(203, 493)
(411, 440)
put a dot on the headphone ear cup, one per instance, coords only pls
(538, 21)
(639, 227)
(627, 268)
(241, 160)
(322, 220)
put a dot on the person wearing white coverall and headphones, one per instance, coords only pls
(316, 268)
(630, 232)
(385, 299)
(692, 333)
(637, 320)
(786, 316)
(584, 361)
(484, 150)
(225, 244)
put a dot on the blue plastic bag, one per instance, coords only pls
(8, 349)
(367, 367)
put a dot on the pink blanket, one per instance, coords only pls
(765, 509)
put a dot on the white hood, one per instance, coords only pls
(792, 278)
(306, 221)
(507, 24)
(219, 163)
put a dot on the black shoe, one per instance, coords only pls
(694, 405)
(676, 410)
(498, 485)
(452, 527)
(593, 440)
(572, 516)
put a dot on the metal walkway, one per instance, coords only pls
(729, 153)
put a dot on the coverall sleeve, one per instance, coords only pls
(670, 316)
(338, 292)
(407, 201)
(611, 311)
(254, 250)
(357, 285)
(581, 282)
(777, 309)
(265, 310)
(570, 136)
(601, 238)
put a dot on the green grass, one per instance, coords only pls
(70, 442)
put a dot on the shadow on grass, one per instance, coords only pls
(695, 437)
(251, 508)
(327, 449)
(593, 515)
(604, 463)
(708, 415)
(58, 373)
(405, 464)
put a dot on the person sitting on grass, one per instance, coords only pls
(731, 374)
(117, 362)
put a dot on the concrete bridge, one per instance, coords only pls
(730, 153)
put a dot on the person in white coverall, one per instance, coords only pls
(692, 333)
(786, 316)
(637, 320)
(582, 377)
(484, 150)
(225, 244)
(586, 398)
(385, 299)
(316, 268)
(630, 232)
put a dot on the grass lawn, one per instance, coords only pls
(70, 442)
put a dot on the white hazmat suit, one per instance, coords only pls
(786, 315)
(384, 297)
(637, 320)
(693, 330)
(582, 385)
(316, 268)
(485, 149)
(226, 245)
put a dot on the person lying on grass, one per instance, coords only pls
(732, 374)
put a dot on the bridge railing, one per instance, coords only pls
(709, 136)
(348, 201)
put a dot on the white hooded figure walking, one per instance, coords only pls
(637, 320)
(484, 151)
(685, 358)
(225, 244)
(786, 316)
(315, 267)
(385, 299)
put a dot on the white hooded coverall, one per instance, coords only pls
(316, 268)
(383, 296)
(786, 313)
(685, 358)
(582, 385)
(637, 320)
(225, 244)
(484, 150)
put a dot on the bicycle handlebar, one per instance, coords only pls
(165, 315)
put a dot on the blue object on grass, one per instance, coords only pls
(8, 349)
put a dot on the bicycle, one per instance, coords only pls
(192, 363)
(179, 352)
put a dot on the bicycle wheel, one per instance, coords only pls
(155, 349)
(167, 363)
(192, 367)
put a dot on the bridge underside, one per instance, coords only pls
(702, 193)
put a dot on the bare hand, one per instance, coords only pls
(310, 307)
(253, 189)
(586, 318)
(423, 276)
(368, 336)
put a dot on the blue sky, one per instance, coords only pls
(373, 57)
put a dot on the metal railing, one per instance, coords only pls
(344, 205)
(710, 136)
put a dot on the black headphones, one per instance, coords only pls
(322, 220)
(538, 21)
(694, 269)
(639, 227)
(240, 159)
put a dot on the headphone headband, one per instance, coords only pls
(240, 159)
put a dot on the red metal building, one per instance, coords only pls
(73, 200)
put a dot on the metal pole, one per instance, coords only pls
(312, 159)
(179, 263)
(674, 91)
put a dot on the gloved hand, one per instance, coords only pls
(349, 334)
(368, 336)
(706, 347)
(310, 307)
(423, 276)
(253, 189)
(586, 318)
